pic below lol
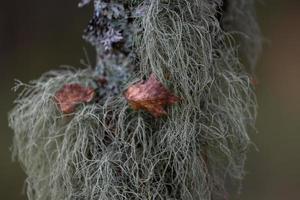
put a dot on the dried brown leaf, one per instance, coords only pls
(71, 95)
(150, 95)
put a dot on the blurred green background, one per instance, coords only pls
(36, 36)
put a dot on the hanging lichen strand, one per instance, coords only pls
(164, 114)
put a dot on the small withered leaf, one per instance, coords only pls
(150, 95)
(71, 95)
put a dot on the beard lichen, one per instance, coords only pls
(105, 150)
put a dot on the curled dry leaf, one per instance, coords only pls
(71, 95)
(150, 95)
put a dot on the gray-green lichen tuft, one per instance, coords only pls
(107, 151)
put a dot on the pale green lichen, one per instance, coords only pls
(107, 151)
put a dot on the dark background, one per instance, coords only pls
(36, 36)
